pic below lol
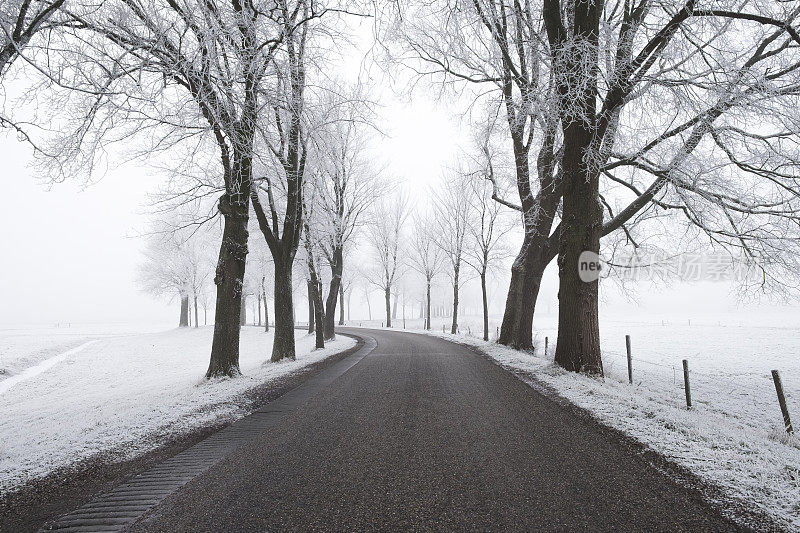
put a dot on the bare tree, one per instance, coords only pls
(385, 237)
(452, 207)
(636, 95)
(145, 59)
(172, 267)
(346, 184)
(499, 44)
(426, 258)
(486, 232)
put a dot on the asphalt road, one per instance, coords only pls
(424, 434)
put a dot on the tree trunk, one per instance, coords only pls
(349, 295)
(578, 346)
(388, 298)
(428, 304)
(266, 305)
(183, 322)
(283, 342)
(369, 308)
(259, 308)
(394, 308)
(485, 305)
(454, 326)
(319, 316)
(243, 312)
(337, 265)
(196, 321)
(310, 289)
(228, 279)
(341, 305)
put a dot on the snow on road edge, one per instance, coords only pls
(122, 397)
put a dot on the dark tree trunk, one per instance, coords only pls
(388, 298)
(310, 290)
(283, 343)
(259, 308)
(196, 321)
(428, 303)
(205, 316)
(243, 312)
(578, 346)
(266, 305)
(485, 306)
(454, 326)
(183, 322)
(333, 294)
(315, 291)
(228, 279)
(319, 317)
(341, 305)
(537, 248)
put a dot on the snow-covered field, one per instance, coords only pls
(733, 436)
(70, 395)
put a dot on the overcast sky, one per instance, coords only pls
(70, 255)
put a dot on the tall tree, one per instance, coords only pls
(674, 96)
(386, 238)
(346, 184)
(487, 231)
(141, 60)
(426, 258)
(452, 207)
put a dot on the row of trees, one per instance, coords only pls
(232, 96)
(616, 122)
(623, 121)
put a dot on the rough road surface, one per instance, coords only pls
(424, 434)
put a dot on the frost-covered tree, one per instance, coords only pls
(635, 110)
(345, 185)
(386, 238)
(487, 230)
(426, 258)
(452, 207)
(174, 266)
(205, 80)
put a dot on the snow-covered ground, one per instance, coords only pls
(732, 437)
(71, 396)
(24, 345)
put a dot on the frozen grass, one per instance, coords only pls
(732, 437)
(127, 394)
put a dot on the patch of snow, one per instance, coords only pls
(33, 371)
(128, 394)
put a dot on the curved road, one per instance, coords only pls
(425, 434)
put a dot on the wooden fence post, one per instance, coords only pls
(630, 361)
(686, 384)
(776, 377)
